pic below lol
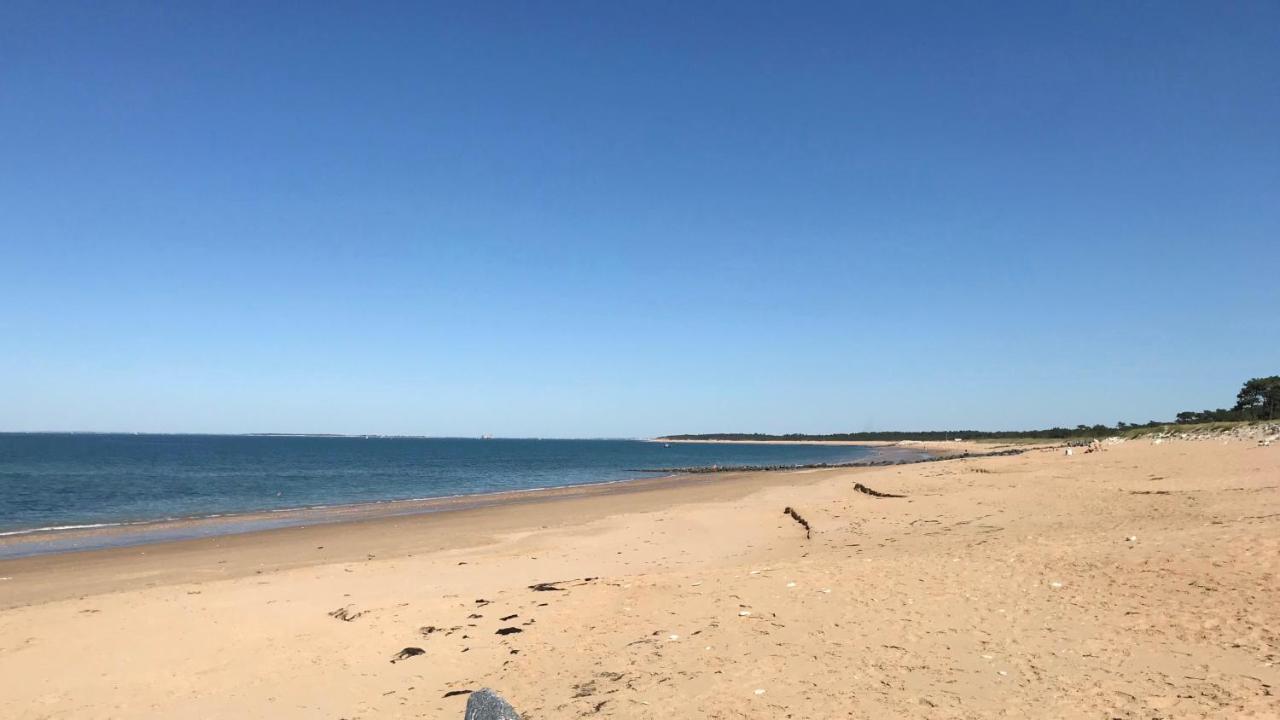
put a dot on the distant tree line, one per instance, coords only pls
(1259, 399)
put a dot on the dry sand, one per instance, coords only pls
(999, 586)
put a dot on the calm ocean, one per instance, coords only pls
(69, 480)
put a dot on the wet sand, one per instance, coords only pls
(1135, 582)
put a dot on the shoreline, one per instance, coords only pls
(218, 524)
(470, 522)
(34, 542)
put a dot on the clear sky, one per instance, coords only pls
(627, 219)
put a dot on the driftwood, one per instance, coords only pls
(554, 585)
(808, 532)
(407, 653)
(545, 587)
(874, 493)
(345, 614)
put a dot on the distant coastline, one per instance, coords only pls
(789, 441)
(896, 436)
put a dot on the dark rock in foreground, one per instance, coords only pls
(488, 705)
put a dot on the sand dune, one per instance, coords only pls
(1138, 582)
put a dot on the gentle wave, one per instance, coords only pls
(305, 508)
(54, 528)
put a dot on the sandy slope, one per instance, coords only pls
(1000, 586)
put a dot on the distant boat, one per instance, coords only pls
(486, 437)
(666, 444)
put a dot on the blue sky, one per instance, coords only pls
(626, 219)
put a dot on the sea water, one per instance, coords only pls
(72, 481)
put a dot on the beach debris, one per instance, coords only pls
(744, 613)
(407, 653)
(508, 631)
(873, 493)
(545, 587)
(345, 614)
(791, 584)
(455, 693)
(488, 705)
(554, 585)
(426, 630)
(474, 616)
(1055, 584)
(1132, 538)
(673, 637)
(759, 691)
(808, 533)
(481, 602)
(509, 617)
(586, 689)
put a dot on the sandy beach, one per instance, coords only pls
(1137, 582)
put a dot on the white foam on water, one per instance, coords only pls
(54, 528)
